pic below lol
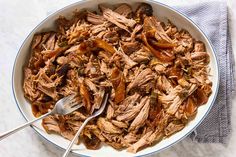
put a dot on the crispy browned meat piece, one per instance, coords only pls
(143, 10)
(92, 142)
(158, 76)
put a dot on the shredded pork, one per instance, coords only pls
(158, 75)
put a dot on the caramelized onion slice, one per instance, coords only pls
(54, 53)
(118, 82)
(159, 55)
(104, 45)
(120, 91)
(86, 98)
(115, 77)
(190, 108)
(161, 45)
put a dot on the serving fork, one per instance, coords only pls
(63, 106)
(95, 114)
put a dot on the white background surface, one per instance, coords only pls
(17, 19)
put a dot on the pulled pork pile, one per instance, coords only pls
(158, 75)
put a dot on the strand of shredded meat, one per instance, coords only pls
(158, 75)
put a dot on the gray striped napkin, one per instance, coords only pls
(211, 17)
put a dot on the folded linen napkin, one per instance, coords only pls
(211, 17)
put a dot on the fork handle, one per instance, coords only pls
(75, 137)
(8, 133)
